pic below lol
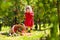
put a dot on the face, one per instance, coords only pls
(27, 10)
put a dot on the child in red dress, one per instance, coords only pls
(29, 17)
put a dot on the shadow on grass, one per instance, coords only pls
(4, 33)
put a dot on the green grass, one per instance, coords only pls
(34, 35)
(5, 28)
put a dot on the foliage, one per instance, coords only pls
(45, 11)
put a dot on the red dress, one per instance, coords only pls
(29, 20)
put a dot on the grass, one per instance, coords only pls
(5, 28)
(35, 35)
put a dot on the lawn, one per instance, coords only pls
(35, 35)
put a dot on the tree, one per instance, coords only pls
(54, 18)
(58, 9)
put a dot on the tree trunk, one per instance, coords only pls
(58, 9)
(36, 26)
(15, 10)
(54, 31)
(0, 26)
(39, 24)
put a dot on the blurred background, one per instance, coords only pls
(46, 15)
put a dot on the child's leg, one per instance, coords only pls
(26, 28)
(10, 32)
(30, 29)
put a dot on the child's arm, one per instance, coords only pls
(32, 14)
(13, 28)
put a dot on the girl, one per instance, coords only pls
(17, 28)
(29, 17)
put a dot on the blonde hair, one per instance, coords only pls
(29, 8)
